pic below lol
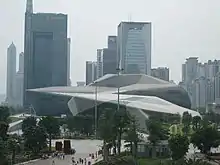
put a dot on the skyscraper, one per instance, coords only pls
(161, 73)
(109, 64)
(20, 81)
(11, 74)
(21, 63)
(112, 42)
(134, 47)
(107, 58)
(45, 50)
(91, 71)
(68, 61)
(99, 64)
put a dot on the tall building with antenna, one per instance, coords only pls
(45, 50)
(134, 47)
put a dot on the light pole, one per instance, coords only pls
(118, 73)
(96, 109)
(32, 111)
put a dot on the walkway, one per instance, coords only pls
(83, 149)
(66, 161)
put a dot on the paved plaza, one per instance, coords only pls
(66, 161)
(83, 149)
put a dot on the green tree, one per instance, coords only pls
(29, 122)
(35, 138)
(179, 145)
(132, 136)
(156, 131)
(13, 147)
(186, 120)
(3, 152)
(205, 138)
(196, 121)
(106, 131)
(51, 126)
(4, 120)
(121, 121)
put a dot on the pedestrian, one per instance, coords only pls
(53, 163)
(63, 156)
(73, 161)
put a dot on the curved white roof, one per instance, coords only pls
(146, 103)
(138, 106)
(106, 88)
(122, 80)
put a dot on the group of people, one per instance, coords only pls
(85, 161)
(80, 161)
(58, 155)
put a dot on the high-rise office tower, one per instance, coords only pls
(45, 50)
(112, 42)
(134, 47)
(91, 71)
(68, 61)
(110, 56)
(99, 63)
(21, 63)
(107, 58)
(161, 73)
(109, 62)
(20, 81)
(11, 74)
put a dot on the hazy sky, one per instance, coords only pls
(181, 28)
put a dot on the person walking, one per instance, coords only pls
(73, 161)
(53, 163)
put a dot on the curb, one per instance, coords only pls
(31, 161)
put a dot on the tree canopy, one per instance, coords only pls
(51, 126)
(4, 120)
(205, 138)
(196, 121)
(29, 122)
(156, 131)
(35, 139)
(179, 145)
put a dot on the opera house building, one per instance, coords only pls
(141, 95)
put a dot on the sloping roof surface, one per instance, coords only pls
(114, 80)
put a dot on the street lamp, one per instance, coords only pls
(96, 113)
(32, 110)
(118, 73)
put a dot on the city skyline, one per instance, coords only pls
(178, 40)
